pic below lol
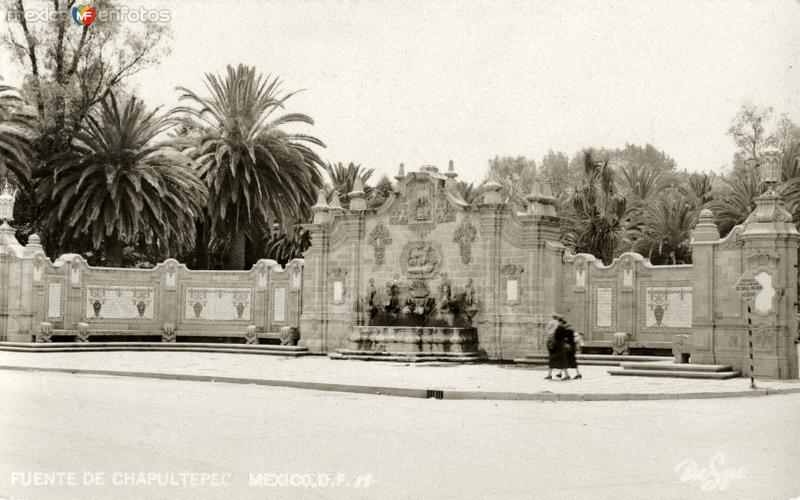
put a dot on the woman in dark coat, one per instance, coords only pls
(554, 359)
(564, 349)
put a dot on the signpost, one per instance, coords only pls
(748, 287)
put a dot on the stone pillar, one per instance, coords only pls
(765, 248)
(489, 227)
(16, 276)
(770, 251)
(704, 237)
(313, 320)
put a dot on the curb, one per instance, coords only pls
(411, 392)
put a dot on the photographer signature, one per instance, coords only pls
(713, 477)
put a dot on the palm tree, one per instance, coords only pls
(468, 192)
(343, 177)
(790, 174)
(698, 187)
(117, 184)
(734, 198)
(595, 222)
(257, 174)
(16, 136)
(640, 184)
(666, 227)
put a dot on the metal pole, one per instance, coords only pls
(750, 341)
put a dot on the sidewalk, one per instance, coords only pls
(471, 381)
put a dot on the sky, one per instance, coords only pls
(427, 82)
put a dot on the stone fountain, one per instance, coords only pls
(406, 322)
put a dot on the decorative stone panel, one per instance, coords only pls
(511, 284)
(667, 306)
(338, 291)
(421, 259)
(119, 302)
(464, 235)
(218, 304)
(379, 238)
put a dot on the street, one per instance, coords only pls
(82, 436)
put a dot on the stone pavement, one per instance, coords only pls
(473, 381)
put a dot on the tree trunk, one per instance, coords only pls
(236, 255)
(114, 248)
(201, 246)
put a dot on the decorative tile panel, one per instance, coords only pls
(119, 302)
(218, 304)
(668, 307)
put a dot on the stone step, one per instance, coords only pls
(400, 353)
(595, 359)
(406, 357)
(621, 358)
(685, 367)
(676, 374)
(154, 346)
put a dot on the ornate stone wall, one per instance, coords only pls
(650, 303)
(765, 247)
(67, 292)
(425, 235)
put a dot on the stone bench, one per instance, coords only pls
(287, 336)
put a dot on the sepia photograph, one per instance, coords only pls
(374, 249)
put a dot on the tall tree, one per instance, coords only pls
(119, 185)
(515, 174)
(595, 222)
(258, 174)
(749, 132)
(70, 69)
(641, 156)
(666, 224)
(16, 134)
(563, 176)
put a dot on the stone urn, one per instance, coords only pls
(289, 335)
(658, 312)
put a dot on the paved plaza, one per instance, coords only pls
(474, 378)
(126, 433)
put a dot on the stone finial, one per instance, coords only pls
(357, 195)
(336, 203)
(491, 190)
(34, 244)
(769, 208)
(770, 167)
(705, 230)
(8, 195)
(451, 171)
(706, 217)
(536, 191)
(321, 208)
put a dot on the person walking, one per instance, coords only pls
(554, 359)
(578, 349)
(565, 348)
